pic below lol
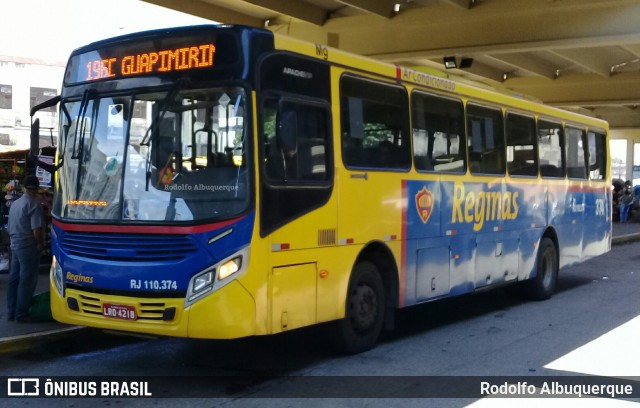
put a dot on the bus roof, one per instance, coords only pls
(430, 79)
(436, 80)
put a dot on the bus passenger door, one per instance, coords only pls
(296, 209)
(575, 201)
(296, 204)
(597, 235)
(575, 207)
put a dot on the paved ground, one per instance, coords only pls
(15, 336)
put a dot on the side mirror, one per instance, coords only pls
(34, 149)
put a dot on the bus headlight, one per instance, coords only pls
(229, 267)
(217, 276)
(56, 275)
(232, 266)
(202, 282)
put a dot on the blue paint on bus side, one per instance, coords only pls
(461, 236)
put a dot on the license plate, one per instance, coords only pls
(124, 312)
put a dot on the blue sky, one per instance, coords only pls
(51, 29)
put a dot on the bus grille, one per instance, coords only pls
(129, 247)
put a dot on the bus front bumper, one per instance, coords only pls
(228, 313)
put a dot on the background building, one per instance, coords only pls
(24, 83)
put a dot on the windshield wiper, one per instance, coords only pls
(77, 145)
(162, 110)
(81, 145)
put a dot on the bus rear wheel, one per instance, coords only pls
(364, 310)
(542, 286)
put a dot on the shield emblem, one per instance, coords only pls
(424, 204)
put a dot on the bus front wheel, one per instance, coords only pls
(364, 310)
(542, 286)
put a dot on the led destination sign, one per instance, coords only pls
(164, 54)
(197, 56)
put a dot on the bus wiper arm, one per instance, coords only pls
(81, 151)
(77, 146)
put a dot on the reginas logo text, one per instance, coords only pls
(75, 278)
(478, 207)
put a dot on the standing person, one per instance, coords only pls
(626, 200)
(25, 232)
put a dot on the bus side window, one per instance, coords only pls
(486, 140)
(522, 158)
(375, 124)
(438, 133)
(297, 153)
(551, 149)
(576, 153)
(597, 155)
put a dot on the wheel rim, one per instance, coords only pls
(363, 307)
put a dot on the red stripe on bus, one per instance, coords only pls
(144, 229)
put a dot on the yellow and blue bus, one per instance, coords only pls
(224, 181)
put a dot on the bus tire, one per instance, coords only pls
(364, 310)
(542, 286)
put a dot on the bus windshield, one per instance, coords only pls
(175, 155)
